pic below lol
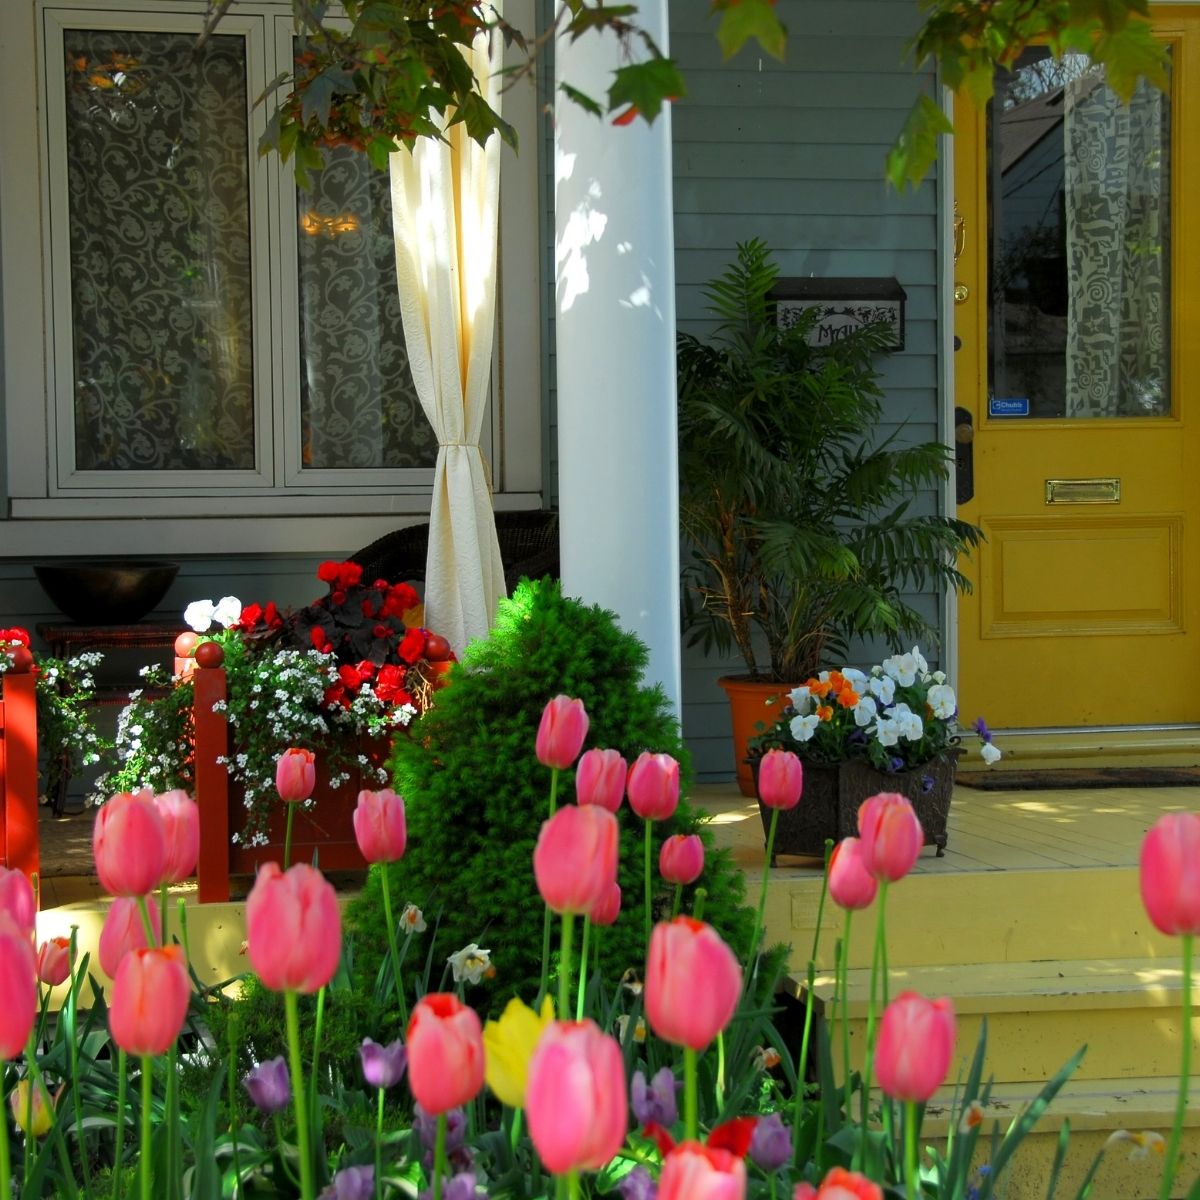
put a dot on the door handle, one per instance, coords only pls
(964, 456)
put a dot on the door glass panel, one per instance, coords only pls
(1079, 244)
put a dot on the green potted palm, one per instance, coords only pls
(797, 513)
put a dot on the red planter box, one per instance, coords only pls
(18, 773)
(326, 830)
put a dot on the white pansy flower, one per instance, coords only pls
(884, 688)
(919, 659)
(801, 699)
(938, 677)
(908, 724)
(902, 668)
(941, 700)
(856, 679)
(887, 732)
(804, 727)
(470, 963)
(989, 753)
(227, 610)
(199, 615)
(864, 711)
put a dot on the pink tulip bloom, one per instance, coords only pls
(575, 1097)
(575, 859)
(293, 928)
(653, 786)
(608, 909)
(129, 844)
(840, 1184)
(560, 734)
(780, 779)
(600, 779)
(17, 899)
(916, 1043)
(695, 1172)
(891, 835)
(181, 833)
(150, 999)
(693, 982)
(445, 1053)
(124, 931)
(18, 989)
(295, 775)
(380, 827)
(54, 961)
(851, 885)
(1170, 873)
(681, 858)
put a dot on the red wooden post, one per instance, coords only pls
(19, 773)
(212, 783)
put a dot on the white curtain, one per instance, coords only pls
(445, 197)
(1116, 195)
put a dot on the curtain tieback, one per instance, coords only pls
(487, 471)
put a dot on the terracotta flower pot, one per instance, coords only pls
(752, 702)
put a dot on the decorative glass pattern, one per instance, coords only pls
(158, 205)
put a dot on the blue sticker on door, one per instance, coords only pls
(1013, 406)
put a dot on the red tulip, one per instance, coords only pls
(695, 1172)
(575, 860)
(840, 1184)
(17, 899)
(54, 961)
(123, 931)
(560, 735)
(575, 1097)
(851, 885)
(18, 989)
(693, 982)
(150, 999)
(295, 775)
(780, 779)
(293, 928)
(445, 1053)
(600, 779)
(681, 858)
(608, 908)
(916, 1043)
(379, 826)
(181, 833)
(1170, 873)
(891, 835)
(129, 844)
(654, 786)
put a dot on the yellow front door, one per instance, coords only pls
(1078, 394)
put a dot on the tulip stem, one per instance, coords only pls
(439, 1156)
(119, 1131)
(649, 914)
(802, 1064)
(234, 1129)
(878, 955)
(752, 961)
(690, 1125)
(844, 1009)
(316, 1058)
(147, 1100)
(147, 924)
(162, 914)
(292, 1009)
(72, 1007)
(698, 903)
(287, 837)
(573, 1185)
(912, 1174)
(5, 1163)
(392, 946)
(564, 966)
(379, 1147)
(38, 1081)
(720, 1090)
(678, 902)
(583, 968)
(1185, 1070)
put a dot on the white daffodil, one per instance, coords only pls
(801, 699)
(412, 920)
(470, 963)
(989, 753)
(226, 611)
(883, 687)
(865, 711)
(199, 615)
(941, 700)
(803, 728)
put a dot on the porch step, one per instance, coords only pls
(1037, 750)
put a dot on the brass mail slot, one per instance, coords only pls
(1083, 491)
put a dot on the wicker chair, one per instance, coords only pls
(528, 547)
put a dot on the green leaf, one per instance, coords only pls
(910, 158)
(379, 151)
(1130, 54)
(317, 97)
(752, 19)
(582, 99)
(646, 86)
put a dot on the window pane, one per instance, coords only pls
(359, 407)
(160, 251)
(1080, 235)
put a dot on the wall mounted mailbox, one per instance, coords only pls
(843, 305)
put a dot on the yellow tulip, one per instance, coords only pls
(35, 1123)
(509, 1044)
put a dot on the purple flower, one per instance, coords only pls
(655, 1101)
(856, 738)
(771, 1145)
(269, 1086)
(457, 1187)
(353, 1183)
(426, 1127)
(383, 1066)
(896, 764)
(982, 729)
(638, 1185)
(926, 784)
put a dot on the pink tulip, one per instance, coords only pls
(129, 844)
(150, 999)
(18, 989)
(891, 835)
(681, 858)
(653, 786)
(123, 931)
(840, 1184)
(575, 1097)
(293, 928)
(695, 1172)
(693, 982)
(600, 779)
(54, 961)
(560, 734)
(17, 899)
(575, 859)
(445, 1053)
(916, 1042)
(1170, 873)
(295, 775)
(181, 834)
(851, 885)
(780, 779)
(380, 827)
(608, 909)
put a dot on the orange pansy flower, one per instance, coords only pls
(848, 697)
(824, 713)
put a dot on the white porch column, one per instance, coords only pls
(615, 346)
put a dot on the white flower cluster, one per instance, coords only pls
(201, 615)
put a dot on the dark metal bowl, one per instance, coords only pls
(112, 592)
